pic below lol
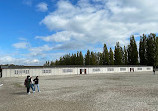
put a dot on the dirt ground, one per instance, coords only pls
(99, 92)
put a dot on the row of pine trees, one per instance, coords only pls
(127, 55)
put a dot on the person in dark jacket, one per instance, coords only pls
(36, 83)
(27, 84)
(154, 71)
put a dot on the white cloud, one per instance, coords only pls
(33, 61)
(22, 39)
(62, 36)
(27, 2)
(52, 56)
(71, 45)
(83, 25)
(39, 51)
(20, 45)
(19, 61)
(43, 7)
(106, 21)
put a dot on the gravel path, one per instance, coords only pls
(99, 92)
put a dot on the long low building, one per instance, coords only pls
(17, 71)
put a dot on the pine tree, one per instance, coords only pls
(156, 54)
(97, 58)
(101, 59)
(122, 55)
(125, 56)
(52, 63)
(111, 57)
(93, 60)
(45, 64)
(80, 58)
(87, 58)
(61, 61)
(48, 64)
(72, 60)
(66, 59)
(57, 63)
(151, 50)
(142, 50)
(77, 59)
(105, 55)
(132, 52)
(117, 54)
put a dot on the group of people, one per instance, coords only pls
(30, 83)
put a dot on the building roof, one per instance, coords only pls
(68, 66)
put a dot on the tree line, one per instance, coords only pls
(146, 54)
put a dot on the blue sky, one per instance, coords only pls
(33, 31)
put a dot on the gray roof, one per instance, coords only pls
(70, 66)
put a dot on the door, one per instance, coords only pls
(80, 71)
(0, 73)
(85, 72)
(131, 69)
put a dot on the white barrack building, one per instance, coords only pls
(17, 71)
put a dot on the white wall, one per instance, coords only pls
(69, 70)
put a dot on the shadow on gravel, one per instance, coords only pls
(19, 93)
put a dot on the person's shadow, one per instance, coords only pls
(19, 93)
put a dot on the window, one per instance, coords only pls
(139, 68)
(21, 71)
(122, 69)
(148, 68)
(27, 71)
(67, 70)
(46, 71)
(16, 72)
(96, 70)
(110, 69)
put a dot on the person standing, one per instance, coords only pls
(154, 71)
(36, 83)
(32, 85)
(27, 84)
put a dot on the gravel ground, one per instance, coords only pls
(99, 92)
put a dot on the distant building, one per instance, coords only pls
(18, 71)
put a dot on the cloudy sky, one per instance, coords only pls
(33, 31)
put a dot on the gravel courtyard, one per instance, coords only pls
(99, 92)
